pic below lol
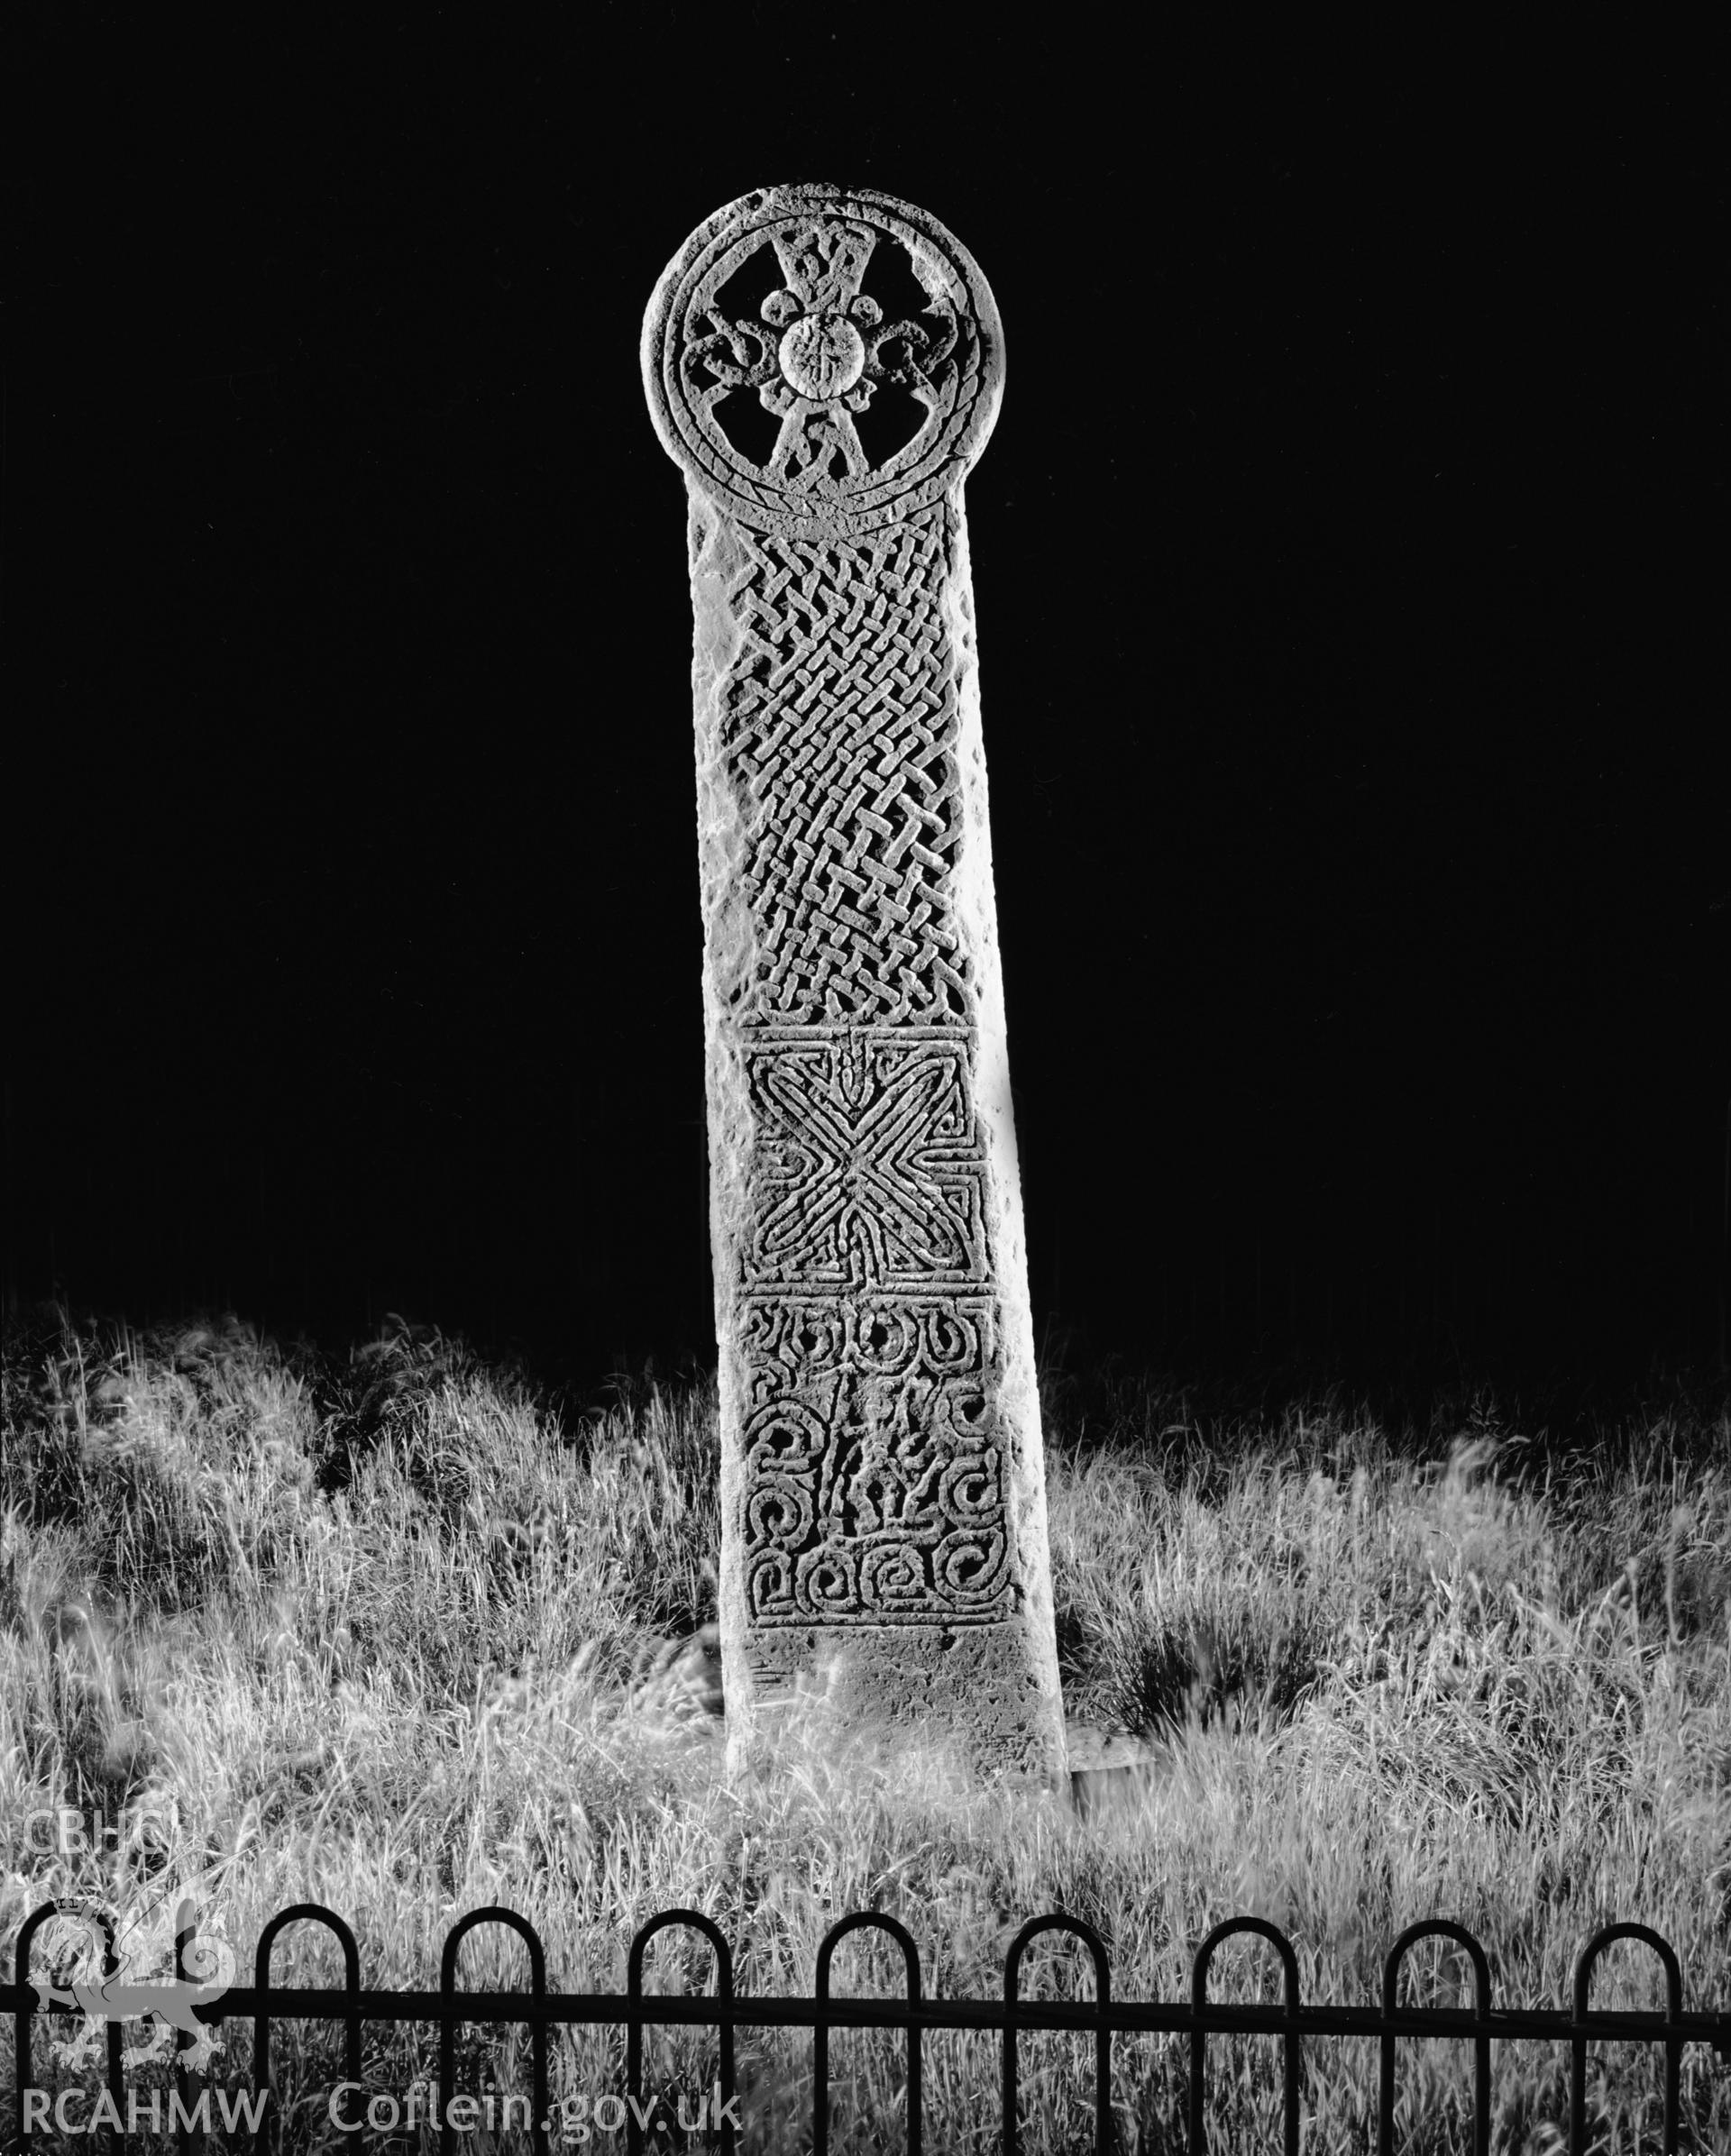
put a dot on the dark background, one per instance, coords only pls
(1349, 572)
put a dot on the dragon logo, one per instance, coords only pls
(146, 1983)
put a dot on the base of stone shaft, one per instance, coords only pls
(966, 1697)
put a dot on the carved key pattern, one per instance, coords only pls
(868, 1171)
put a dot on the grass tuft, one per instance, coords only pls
(393, 1634)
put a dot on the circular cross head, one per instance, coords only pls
(819, 405)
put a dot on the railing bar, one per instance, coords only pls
(725, 1993)
(1482, 2095)
(1578, 2096)
(448, 2017)
(821, 2084)
(901, 2014)
(1292, 2039)
(1102, 2082)
(1018, 2016)
(1386, 2090)
(1674, 2095)
(1011, 2132)
(183, 2081)
(1125, 2017)
(538, 2043)
(269, 2133)
(728, 2011)
(111, 1967)
(22, 2082)
(633, 2078)
(710, 2014)
(1199, 2032)
(916, 2092)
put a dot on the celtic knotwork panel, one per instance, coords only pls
(838, 724)
(874, 1468)
(869, 1169)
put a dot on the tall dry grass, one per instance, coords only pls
(392, 1634)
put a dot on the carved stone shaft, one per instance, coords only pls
(825, 366)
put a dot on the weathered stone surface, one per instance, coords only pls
(825, 365)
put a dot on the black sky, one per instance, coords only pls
(1350, 576)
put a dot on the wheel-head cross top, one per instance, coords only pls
(818, 352)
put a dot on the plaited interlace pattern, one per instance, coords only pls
(841, 720)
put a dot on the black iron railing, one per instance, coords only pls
(725, 2010)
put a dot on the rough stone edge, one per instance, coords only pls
(975, 901)
(716, 555)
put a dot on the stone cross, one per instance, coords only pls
(825, 364)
